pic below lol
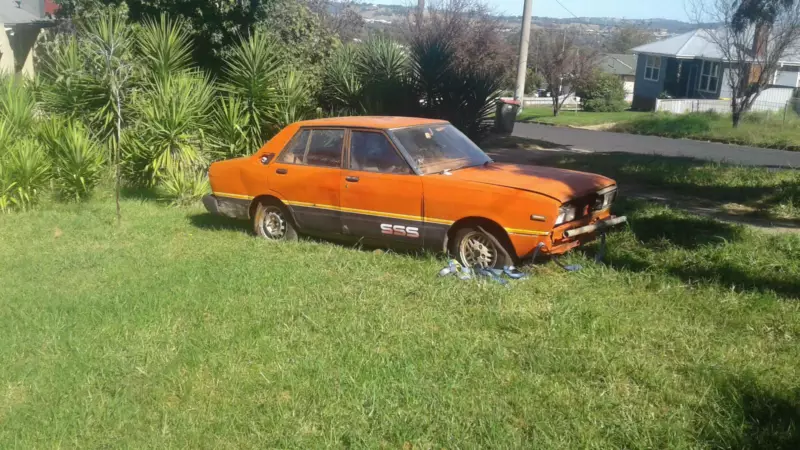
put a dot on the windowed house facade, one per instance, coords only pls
(690, 66)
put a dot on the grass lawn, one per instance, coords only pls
(756, 129)
(770, 193)
(573, 118)
(179, 329)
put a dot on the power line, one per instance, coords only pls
(567, 9)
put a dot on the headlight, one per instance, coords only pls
(566, 214)
(605, 198)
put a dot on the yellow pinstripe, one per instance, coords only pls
(380, 214)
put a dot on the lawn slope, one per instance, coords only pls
(178, 329)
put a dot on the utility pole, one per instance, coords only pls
(522, 68)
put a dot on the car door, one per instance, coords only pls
(381, 197)
(307, 175)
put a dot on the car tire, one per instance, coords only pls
(273, 222)
(480, 247)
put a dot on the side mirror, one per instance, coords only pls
(266, 158)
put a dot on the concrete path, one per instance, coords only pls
(603, 141)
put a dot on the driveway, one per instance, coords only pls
(603, 141)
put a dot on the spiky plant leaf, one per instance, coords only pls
(78, 159)
(250, 74)
(17, 104)
(293, 101)
(342, 89)
(28, 168)
(383, 67)
(228, 136)
(108, 44)
(164, 47)
(172, 117)
(184, 186)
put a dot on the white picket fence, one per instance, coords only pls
(772, 99)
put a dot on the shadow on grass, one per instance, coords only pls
(685, 232)
(691, 248)
(755, 418)
(140, 193)
(771, 193)
(207, 221)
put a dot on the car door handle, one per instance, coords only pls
(281, 171)
(351, 179)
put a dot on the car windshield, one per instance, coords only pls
(438, 148)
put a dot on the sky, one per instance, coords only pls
(625, 9)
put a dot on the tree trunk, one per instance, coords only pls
(556, 107)
(737, 117)
(117, 154)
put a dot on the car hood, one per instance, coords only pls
(560, 184)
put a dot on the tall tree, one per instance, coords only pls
(562, 63)
(755, 36)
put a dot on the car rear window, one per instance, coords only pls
(324, 148)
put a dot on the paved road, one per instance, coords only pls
(603, 141)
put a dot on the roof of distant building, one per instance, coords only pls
(699, 43)
(618, 63)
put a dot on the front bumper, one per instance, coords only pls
(595, 227)
(570, 238)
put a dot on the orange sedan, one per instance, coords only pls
(408, 182)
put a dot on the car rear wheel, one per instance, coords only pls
(475, 247)
(273, 222)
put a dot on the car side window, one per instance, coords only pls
(296, 149)
(325, 148)
(372, 152)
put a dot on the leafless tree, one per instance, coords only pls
(471, 28)
(756, 36)
(562, 63)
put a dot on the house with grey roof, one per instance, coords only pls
(21, 22)
(623, 66)
(692, 66)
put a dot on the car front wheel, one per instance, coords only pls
(475, 247)
(272, 222)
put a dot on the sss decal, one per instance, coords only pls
(399, 230)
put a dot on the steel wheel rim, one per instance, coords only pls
(273, 224)
(476, 249)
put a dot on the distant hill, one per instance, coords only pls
(383, 14)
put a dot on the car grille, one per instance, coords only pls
(596, 201)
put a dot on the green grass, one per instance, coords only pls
(179, 329)
(771, 193)
(767, 130)
(756, 129)
(573, 118)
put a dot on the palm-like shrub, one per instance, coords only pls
(184, 186)
(293, 101)
(78, 159)
(164, 48)
(65, 85)
(342, 90)
(25, 173)
(228, 137)
(17, 105)
(171, 118)
(383, 66)
(251, 73)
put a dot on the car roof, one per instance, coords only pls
(381, 122)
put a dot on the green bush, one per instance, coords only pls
(78, 159)
(228, 137)
(24, 175)
(602, 92)
(17, 105)
(184, 186)
(171, 117)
